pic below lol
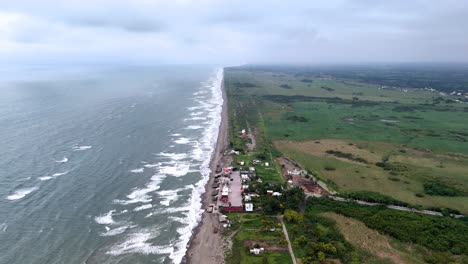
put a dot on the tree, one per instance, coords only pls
(293, 198)
(293, 216)
(271, 205)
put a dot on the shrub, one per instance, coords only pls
(440, 189)
(293, 216)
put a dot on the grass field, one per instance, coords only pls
(293, 110)
(416, 168)
(248, 227)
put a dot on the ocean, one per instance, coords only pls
(104, 164)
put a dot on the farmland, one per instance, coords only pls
(383, 139)
(423, 137)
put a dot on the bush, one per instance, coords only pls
(329, 168)
(440, 189)
(293, 216)
(374, 197)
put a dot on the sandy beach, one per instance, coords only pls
(206, 246)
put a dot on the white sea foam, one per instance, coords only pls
(65, 159)
(198, 157)
(194, 127)
(201, 152)
(79, 148)
(138, 243)
(196, 113)
(152, 165)
(59, 174)
(169, 196)
(117, 231)
(143, 207)
(183, 140)
(142, 195)
(195, 118)
(176, 169)
(139, 170)
(21, 193)
(105, 219)
(55, 175)
(192, 108)
(174, 156)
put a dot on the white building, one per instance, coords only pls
(249, 207)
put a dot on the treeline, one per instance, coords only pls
(442, 234)
(345, 155)
(374, 197)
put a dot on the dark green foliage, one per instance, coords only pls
(285, 99)
(434, 232)
(271, 205)
(344, 155)
(320, 239)
(285, 86)
(296, 118)
(374, 197)
(440, 189)
(394, 167)
(293, 198)
(307, 80)
(243, 85)
(329, 168)
(327, 89)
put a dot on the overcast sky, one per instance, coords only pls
(233, 32)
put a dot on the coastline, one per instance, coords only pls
(205, 246)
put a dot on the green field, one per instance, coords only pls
(287, 106)
(251, 227)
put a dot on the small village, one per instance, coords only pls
(234, 189)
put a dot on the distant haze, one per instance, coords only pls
(233, 32)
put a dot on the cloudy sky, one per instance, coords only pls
(233, 32)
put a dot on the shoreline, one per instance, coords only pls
(204, 245)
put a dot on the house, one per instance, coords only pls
(223, 218)
(227, 170)
(267, 164)
(249, 207)
(245, 177)
(256, 251)
(276, 194)
(225, 191)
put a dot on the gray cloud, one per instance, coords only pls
(211, 31)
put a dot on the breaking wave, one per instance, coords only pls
(21, 193)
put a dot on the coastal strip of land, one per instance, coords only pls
(206, 245)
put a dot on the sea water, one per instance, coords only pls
(104, 164)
